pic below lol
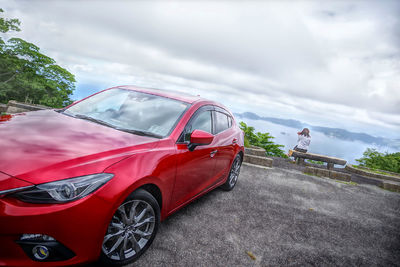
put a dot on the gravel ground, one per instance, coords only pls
(282, 217)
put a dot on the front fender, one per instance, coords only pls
(156, 166)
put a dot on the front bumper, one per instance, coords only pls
(79, 226)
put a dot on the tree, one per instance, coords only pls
(28, 75)
(380, 161)
(272, 149)
(263, 140)
(249, 135)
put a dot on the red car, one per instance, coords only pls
(94, 180)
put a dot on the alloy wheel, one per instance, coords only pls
(131, 228)
(234, 174)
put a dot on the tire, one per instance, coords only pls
(132, 229)
(233, 174)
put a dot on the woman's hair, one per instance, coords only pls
(305, 132)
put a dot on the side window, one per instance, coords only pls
(201, 122)
(221, 122)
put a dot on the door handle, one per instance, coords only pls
(234, 141)
(212, 153)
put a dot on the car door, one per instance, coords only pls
(195, 169)
(224, 141)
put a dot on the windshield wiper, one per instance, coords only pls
(85, 117)
(137, 132)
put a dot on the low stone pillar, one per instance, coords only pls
(256, 160)
(254, 151)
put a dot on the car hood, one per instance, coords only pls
(42, 146)
(7, 182)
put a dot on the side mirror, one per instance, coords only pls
(200, 138)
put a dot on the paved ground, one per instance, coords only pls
(282, 217)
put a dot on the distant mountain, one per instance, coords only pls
(331, 132)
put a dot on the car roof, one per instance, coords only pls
(184, 97)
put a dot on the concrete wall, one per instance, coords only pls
(328, 173)
(364, 172)
(3, 108)
(17, 107)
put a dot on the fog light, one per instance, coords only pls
(40, 252)
(43, 248)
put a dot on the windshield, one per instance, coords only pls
(130, 111)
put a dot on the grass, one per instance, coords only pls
(343, 182)
(315, 162)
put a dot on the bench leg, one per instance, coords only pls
(300, 161)
(330, 166)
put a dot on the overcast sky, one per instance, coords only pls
(334, 64)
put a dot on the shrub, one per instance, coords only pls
(380, 161)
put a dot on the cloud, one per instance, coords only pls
(334, 63)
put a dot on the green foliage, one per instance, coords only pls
(246, 142)
(263, 140)
(315, 162)
(27, 75)
(380, 161)
(249, 136)
(8, 24)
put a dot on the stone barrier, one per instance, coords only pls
(386, 172)
(328, 173)
(391, 186)
(364, 172)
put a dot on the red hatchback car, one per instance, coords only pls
(94, 180)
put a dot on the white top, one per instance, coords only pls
(303, 142)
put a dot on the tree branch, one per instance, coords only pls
(6, 73)
(12, 77)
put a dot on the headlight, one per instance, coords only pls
(65, 190)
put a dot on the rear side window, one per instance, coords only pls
(222, 122)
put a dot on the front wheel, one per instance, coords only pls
(233, 174)
(132, 229)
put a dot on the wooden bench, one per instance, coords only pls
(330, 160)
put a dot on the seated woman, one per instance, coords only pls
(303, 141)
